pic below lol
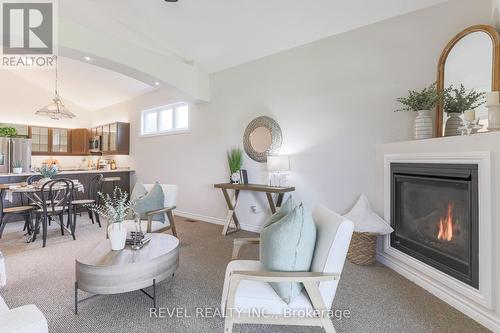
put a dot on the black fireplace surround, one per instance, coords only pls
(434, 213)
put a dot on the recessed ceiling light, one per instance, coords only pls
(157, 83)
(171, 0)
(87, 58)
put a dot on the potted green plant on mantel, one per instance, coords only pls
(422, 102)
(115, 209)
(235, 161)
(456, 102)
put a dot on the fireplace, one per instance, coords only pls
(434, 213)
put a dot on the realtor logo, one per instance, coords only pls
(28, 32)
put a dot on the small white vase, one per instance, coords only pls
(117, 235)
(17, 170)
(423, 125)
(494, 117)
(452, 124)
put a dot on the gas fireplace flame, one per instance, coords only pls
(445, 232)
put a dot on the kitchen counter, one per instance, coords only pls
(68, 172)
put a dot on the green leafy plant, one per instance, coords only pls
(426, 99)
(114, 208)
(17, 164)
(458, 100)
(235, 159)
(7, 131)
(48, 171)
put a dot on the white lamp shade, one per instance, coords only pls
(278, 163)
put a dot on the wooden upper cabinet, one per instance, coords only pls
(80, 141)
(116, 139)
(60, 138)
(40, 138)
(62, 141)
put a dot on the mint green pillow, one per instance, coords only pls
(287, 245)
(284, 210)
(145, 201)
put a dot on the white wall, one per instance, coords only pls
(334, 100)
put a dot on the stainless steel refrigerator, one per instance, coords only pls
(13, 151)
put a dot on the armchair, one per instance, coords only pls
(149, 225)
(247, 297)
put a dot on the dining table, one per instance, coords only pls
(33, 193)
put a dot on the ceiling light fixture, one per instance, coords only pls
(171, 0)
(56, 109)
(87, 58)
(157, 83)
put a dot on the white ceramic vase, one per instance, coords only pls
(452, 124)
(17, 170)
(423, 125)
(494, 117)
(117, 236)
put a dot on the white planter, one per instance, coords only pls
(494, 117)
(17, 170)
(117, 235)
(423, 125)
(452, 124)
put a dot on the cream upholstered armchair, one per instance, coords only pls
(24, 319)
(149, 225)
(248, 298)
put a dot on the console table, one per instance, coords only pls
(232, 201)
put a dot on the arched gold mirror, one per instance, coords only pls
(471, 58)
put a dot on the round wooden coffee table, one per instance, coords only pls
(103, 271)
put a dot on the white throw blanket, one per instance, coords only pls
(3, 274)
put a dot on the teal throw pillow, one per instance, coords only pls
(287, 245)
(145, 201)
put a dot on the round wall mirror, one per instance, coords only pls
(262, 138)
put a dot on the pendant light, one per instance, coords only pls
(56, 109)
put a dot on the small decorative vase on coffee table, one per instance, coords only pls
(117, 235)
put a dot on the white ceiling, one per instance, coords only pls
(218, 34)
(86, 85)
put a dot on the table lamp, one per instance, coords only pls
(276, 165)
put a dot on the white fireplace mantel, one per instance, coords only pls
(467, 299)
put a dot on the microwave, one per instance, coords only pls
(95, 144)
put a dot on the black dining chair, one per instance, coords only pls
(92, 197)
(33, 179)
(24, 211)
(56, 196)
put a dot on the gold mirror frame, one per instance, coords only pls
(495, 72)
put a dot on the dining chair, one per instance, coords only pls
(55, 198)
(93, 188)
(247, 291)
(33, 179)
(24, 211)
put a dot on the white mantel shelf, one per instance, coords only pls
(483, 149)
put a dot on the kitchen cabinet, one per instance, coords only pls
(60, 138)
(80, 141)
(39, 139)
(115, 138)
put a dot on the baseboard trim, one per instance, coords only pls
(214, 220)
(474, 312)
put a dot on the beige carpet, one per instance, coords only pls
(379, 299)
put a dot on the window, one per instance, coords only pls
(166, 119)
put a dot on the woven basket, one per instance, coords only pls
(362, 248)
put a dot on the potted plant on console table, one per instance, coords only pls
(115, 209)
(235, 161)
(422, 102)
